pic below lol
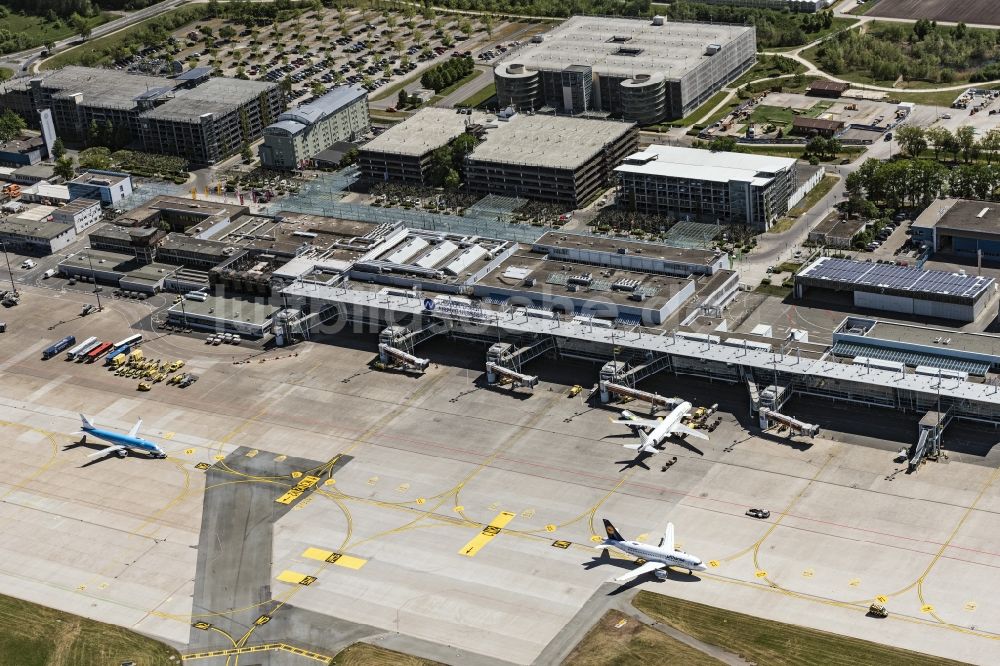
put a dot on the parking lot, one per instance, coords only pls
(369, 48)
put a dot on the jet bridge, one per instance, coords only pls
(507, 360)
(928, 446)
(654, 399)
(398, 343)
(769, 417)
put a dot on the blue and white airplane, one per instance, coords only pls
(120, 444)
(655, 559)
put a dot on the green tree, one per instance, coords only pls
(286, 85)
(80, 25)
(11, 125)
(227, 32)
(58, 148)
(939, 138)
(912, 140)
(966, 137)
(246, 153)
(95, 158)
(318, 88)
(403, 100)
(64, 168)
(990, 143)
(461, 146)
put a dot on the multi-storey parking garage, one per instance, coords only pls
(643, 71)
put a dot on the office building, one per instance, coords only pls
(23, 151)
(304, 132)
(688, 183)
(81, 214)
(110, 187)
(641, 70)
(32, 232)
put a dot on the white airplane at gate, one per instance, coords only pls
(659, 430)
(657, 558)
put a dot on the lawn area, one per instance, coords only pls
(817, 193)
(796, 151)
(34, 635)
(363, 654)
(480, 98)
(632, 643)
(457, 84)
(943, 98)
(5, 73)
(779, 116)
(775, 643)
(769, 67)
(36, 30)
(95, 51)
(712, 102)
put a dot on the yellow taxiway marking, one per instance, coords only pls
(252, 453)
(713, 563)
(329, 482)
(189, 452)
(295, 491)
(596, 539)
(219, 456)
(970, 606)
(927, 608)
(760, 574)
(296, 578)
(332, 557)
(168, 435)
(421, 500)
(266, 647)
(550, 528)
(280, 458)
(854, 582)
(881, 598)
(296, 475)
(808, 573)
(486, 535)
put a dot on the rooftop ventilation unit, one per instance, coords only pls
(625, 284)
(582, 278)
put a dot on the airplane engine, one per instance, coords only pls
(121, 453)
(661, 574)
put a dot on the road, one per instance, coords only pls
(23, 62)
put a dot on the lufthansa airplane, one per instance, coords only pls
(657, 558)
(120, 444)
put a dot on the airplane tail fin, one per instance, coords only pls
(612, 532)
(87, 423)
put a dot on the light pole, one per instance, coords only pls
(93, 274)
(9, 271)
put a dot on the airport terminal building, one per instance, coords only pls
(644, 71)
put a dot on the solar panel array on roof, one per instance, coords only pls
(902, 278)
(910, 358)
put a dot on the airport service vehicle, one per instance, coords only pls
(658, 430)
(49, 273)
(758, 513)
(575, 391)
(87, 309)
(83, 347)
(144, 386)
(877, 610)
(28, 263)
(62, 345)
(196, 296)
(120, 444)
(657, 558)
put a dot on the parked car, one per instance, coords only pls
(758, 513)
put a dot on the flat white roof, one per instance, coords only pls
(626, 47)
(551, 141)
(698, 164)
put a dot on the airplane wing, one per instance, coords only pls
(104, 452)
(641, 423)
(644, 569)
(680, 428)
(668, 537)
(134, 432)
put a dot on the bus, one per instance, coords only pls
(98, 351)
(130, 341)
(86, 348)
(62, 345)
(71, 354)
